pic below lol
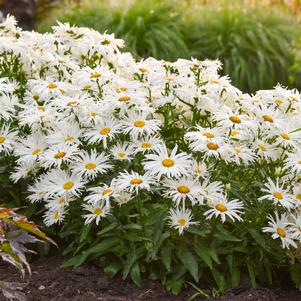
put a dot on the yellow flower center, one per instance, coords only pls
(107, 191)
(146, 145)
(267, 118)
(299, 162)
(62, 91)
(105, 131)
(40, 108)
(56, 215)
(68, 185)
(124, 98)
(262, 147)
(61, 201)
(234, 133)
(235, 119)
(90, 166)
(168, 163)
(143, 70)
(59, 155)
(183, 189)
(36, 151)
(237, 151)
(208, 135)
(281, 232)
(212, 146)
(136, 181)
(285, 136)
(69, 139)
(52, 86)
(121, 89)
(95, 75)
(121, 155)
(221, 207)
(87, 87)
(72, 103)
(93, 114)
(139, 123)
(298, 197)
(2, 139)
(182, 222)
(278, 195)
(279, 102)
(97, 211)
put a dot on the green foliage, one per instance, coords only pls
(254, 47)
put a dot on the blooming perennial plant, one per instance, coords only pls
(130, 144)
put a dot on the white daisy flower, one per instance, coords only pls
(56, 155)
(171, 165)
(7, 139)
(136, 124)
(90, 165)
(277, 194)
(293, 162)
(55, 203)
(295, 226)
(64, 133)
(132, 182)
(60, 183)
(122, 198)
(278, 226)
(122, 151)
(180, 219)
(147, 144)
(55, 216)
(24, 170)
(97, 211)
(223, 208)
(182, 189)
(30, 149)
(103, 131)
(100, 193)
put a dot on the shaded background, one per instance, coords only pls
(258, 41)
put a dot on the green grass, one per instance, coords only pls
(255, 46)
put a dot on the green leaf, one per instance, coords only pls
(112, 269)
(219, 280)
(204, 253)
(107, 229)
(295, 272)
(224, 234)
(84, 233)
(75, 261)
(259, 238)
(135, 274)
(103, 246)
(251, 273)
(189, 261)
(175, 286)
(166, 257)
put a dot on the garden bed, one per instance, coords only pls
(50, 282)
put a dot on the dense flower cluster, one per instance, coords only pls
(91, 123)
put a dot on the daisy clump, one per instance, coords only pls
(149, 161)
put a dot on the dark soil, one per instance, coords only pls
(49, 282)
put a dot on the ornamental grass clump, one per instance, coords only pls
(151, 166)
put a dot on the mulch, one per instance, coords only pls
(50, 282)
